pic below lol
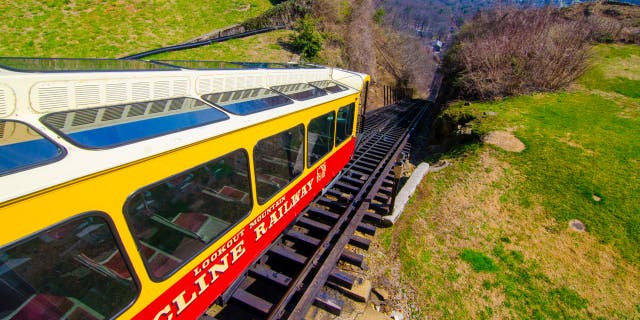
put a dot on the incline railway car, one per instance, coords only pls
(142, 189)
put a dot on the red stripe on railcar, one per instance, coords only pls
(190, 296)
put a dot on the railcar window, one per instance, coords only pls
(77, 64)
(320, 137)
(300, 91)
(278, 160)
(344, 127)
(178, 217)
(201, 65)
(244, 102)
(268, 65)
(108, 127)
(329, 86)
(22, 147)
(72, 271)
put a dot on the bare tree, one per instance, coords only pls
(514, 51)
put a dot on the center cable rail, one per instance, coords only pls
(289, 276)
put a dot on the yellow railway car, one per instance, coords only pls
(142, 189)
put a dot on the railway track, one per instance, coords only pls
(290, 275)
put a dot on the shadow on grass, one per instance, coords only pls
(443, 136)
(287, 46)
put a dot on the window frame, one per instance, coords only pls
(353, 120)
(117, 241)
(208, 244)
(333, 136)
(304, 160)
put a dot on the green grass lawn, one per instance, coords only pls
(489, 236)
(264, 47)
(112, 28)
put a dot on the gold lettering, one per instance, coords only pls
(274, 219)
(295, 198)
(219, 268)
(202, 285)
(164, 312)
(237, 251)
(260, 230)
(181, 304)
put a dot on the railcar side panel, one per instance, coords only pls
(87, 201)
(193, 293)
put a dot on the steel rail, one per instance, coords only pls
(314, 288)
(278, 312)
(322, 234)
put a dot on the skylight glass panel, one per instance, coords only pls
(112, 126)
(244, 102)
(77, 64)
(202, 65)
(328, 85)
(300, 91)
(22, 147)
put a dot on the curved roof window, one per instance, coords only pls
(112, 126)
(330, 86)
(77, 64)
(244, 102)
(300, 91)
(22, 147)
(201, 65)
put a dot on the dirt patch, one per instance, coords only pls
(577, 225)
(504, 140)
(243, 8)
(571, 142)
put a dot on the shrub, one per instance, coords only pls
(307, 40)
(379, 15)
(283, 14)
(516, 51)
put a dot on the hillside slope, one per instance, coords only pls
(356, 40)
(114, 28)
(491, 236)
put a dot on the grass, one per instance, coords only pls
(578, 146)
(478, 261)
(495, 223)
(616, 69)
(266, 47)
(112, 28)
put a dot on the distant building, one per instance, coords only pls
(437, 45)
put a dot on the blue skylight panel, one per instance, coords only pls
(329, 86)
(244, 102)
(22, 147)
(300, 91)
(112, 126)
(78, 64)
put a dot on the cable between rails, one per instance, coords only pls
(196, 44)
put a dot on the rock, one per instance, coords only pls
(397, 315)
(577, 225)
(382, 293)
(371, 314)
(360, 291)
